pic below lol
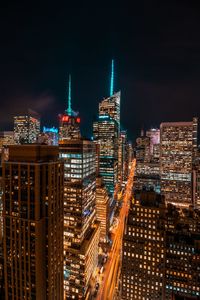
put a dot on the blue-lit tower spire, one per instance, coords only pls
(69, 109)
(112, 78)
(69, 127)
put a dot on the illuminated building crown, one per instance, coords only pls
(69, 110)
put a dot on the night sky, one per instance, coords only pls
(155, 44)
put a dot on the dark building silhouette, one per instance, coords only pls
(33, 223)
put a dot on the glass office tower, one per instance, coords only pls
(81, 231)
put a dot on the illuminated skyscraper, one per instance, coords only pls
(182, 254)
(6, 138)
(52, 135)
(105, 133)
(69, 122)
(147, 175)
(81, 232)
(178, 142)
(129, 153)
(122, 158)
(154, 135)
(33, 223)
(161, 251)
(26, 128)
(143, 250)
(111, 107)
(102, 208)
(196, 181)
(142, 148)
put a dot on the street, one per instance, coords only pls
(112, 267)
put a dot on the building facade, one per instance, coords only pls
(105, 133)
(154, 135)
(69, 121)
(69, 126)
(178, 143)
(52, 135)
(33, 223)
(196, 180)
(26, 129)
(160, 250)
(102, 208)
(130, 155)
(81, 231)
(122, 158)
(182, 266)
(142, 273)
(111, 107)
(147, 175)
(6, 138)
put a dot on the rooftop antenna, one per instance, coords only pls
(112, 78)
(69, 109)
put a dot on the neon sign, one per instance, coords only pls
(50, 129)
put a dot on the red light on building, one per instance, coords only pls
(78, 120)
(65, 118)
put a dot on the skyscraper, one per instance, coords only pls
(182, 265)
(33, 223)
(105, 133)
(111, 107)
(147, 175)
(178, 142)
(161, 250)
(122, 158)
(81, 232)
(52, 135)
(69, 122)
(142, 274)
(102, 208)
(26, 128)
(142, 148)
(129, 152)
(154, 135)
(196, 181)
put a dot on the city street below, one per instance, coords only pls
(112, 267)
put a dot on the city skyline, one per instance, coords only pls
(155, 49)
(100, 151)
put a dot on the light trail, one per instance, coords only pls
(112, 269)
